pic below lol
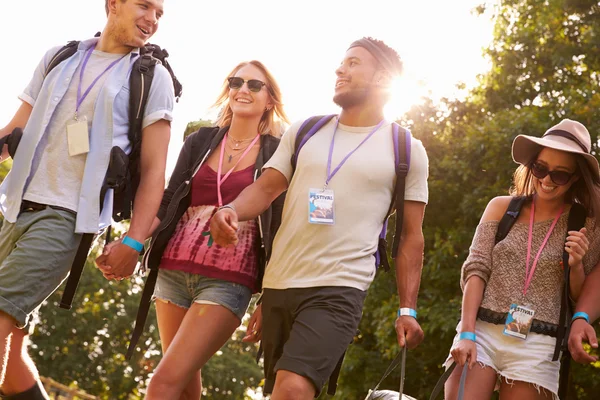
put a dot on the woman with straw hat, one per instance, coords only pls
(512, 289)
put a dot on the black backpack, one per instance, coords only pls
(576, 221)
(123, 174)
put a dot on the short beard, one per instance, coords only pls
(351, 99)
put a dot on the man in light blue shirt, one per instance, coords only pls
(72, 116)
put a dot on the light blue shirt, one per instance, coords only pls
(109, 128)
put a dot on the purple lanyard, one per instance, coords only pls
(80, 98)
(330, 174)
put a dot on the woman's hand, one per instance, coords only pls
(577, 246)
(464, 351)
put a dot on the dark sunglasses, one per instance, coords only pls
(558, 177)
(254, 85)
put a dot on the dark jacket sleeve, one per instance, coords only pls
(277, 205)
(181, 171)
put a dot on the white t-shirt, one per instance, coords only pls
(310, 255)
(55, 175)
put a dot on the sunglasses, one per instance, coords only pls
(558, 177)
(254, 85)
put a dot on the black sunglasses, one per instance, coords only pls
(254, 85)
(558, 177)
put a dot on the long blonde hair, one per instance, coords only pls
(272, 120)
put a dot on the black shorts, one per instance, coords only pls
(307, 330)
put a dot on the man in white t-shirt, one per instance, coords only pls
(73, 116)
(323, 255)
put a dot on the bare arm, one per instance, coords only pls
(252, 202)
(120, 262)
(582, 331)
(256, 198)
(409, 260)
(19, 120)
(153, 161)
(589, 299)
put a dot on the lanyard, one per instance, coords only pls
(528, 273)
(330, 174)
(80, 98)
(221, 180)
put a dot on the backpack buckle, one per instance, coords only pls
(402, 169)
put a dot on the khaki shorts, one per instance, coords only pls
(36, 253)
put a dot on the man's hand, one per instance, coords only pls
(581, 332)
(409, 332)
(117, 261)
(224, 226)
(254, 332)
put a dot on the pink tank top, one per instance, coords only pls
(187, 249)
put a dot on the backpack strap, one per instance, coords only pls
(402, 143)
(61, 55)
(305, 132)
(85, 244)
(576, 221)
(510, 217)
(142, 314)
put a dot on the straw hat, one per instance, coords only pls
(568, 135)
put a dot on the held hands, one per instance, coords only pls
(409, 331)
(117, 261)
(254, 332)
(581, 332)
(464, 351)
(224, 226)
(577, 246)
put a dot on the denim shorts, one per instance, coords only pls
(183, 289)
(515, 359)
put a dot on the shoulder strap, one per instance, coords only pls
(510, 217)
(65, 52)
(306, 131)
(576, 221)
(402, 143)
(143, 309)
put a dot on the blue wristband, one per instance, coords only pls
(468, 336)
(134, 244)
(407, 311)
(581, 315)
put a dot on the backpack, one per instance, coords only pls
(402, 142)
(123, 174)
(576, 221)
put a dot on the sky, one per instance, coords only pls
(302, 43)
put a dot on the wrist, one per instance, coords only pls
(405, 311)
(581, 315)
(468, 336)
(133, 243)
(230, 206)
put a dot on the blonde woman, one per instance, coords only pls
(203, 289)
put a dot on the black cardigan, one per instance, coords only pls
(177, 197)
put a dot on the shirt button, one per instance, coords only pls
(67, 80)
(56, 99)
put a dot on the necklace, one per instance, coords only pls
(237, 142)
(230, 157)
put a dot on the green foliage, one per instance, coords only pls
(194, 126)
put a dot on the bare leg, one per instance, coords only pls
(7, 323)
(479, 385)
(203, 331)
(291, 386)
(169, 318)
(21, 373)
(522, 391)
